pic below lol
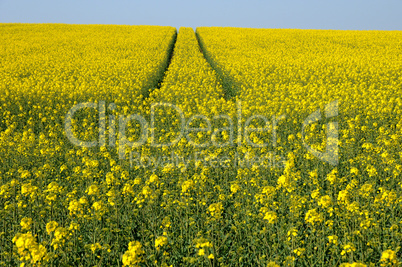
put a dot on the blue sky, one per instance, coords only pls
(323, 14)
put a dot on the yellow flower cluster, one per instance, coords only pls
(389, 258)
(160, 242)
(354, 264)
(28, 249)
(215, 209)
(133, 256)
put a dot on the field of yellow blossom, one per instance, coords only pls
(144, 146)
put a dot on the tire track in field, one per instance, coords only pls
(162, 75)
(229, 85)
(189, 72)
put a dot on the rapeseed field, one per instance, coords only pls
(144, 146)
